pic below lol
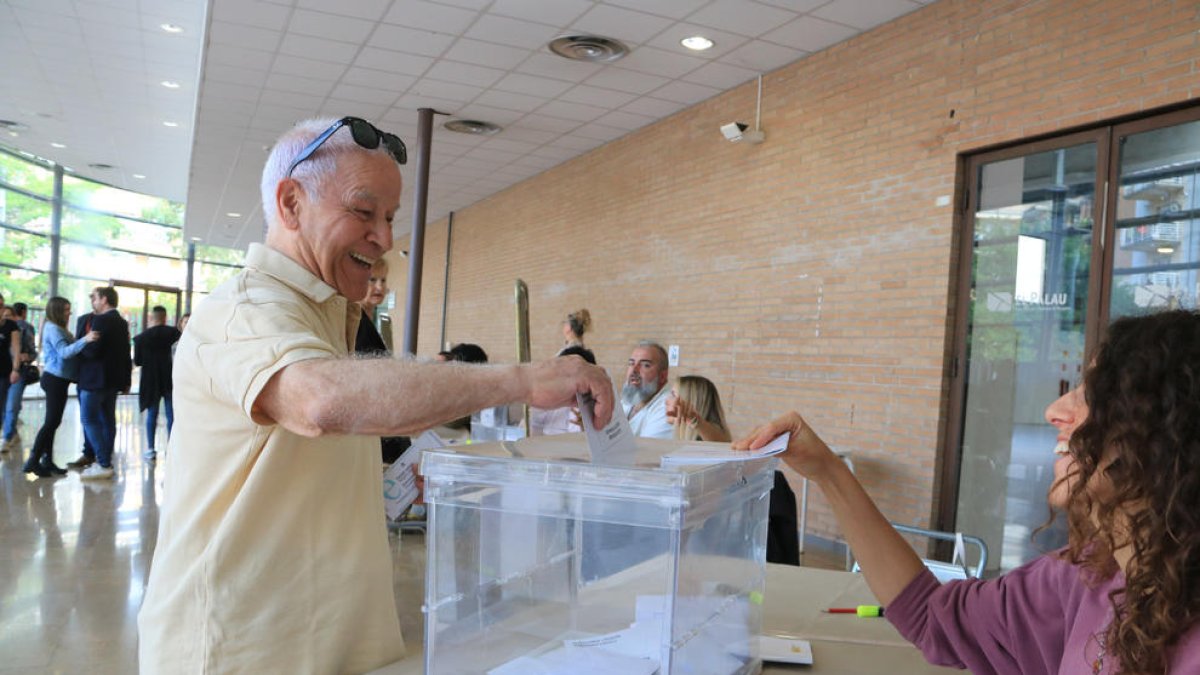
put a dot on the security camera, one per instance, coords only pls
(733, 131)
(736, 132)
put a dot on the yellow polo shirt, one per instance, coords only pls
(272, 553)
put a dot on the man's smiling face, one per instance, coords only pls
(348, 225)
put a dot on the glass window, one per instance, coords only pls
(101, 263)
(133, 235)
(207, 277)
(26, 175)
(1157, 253)
(85, 194)
(23, 211)
(28, 286)
(220, 254)
(24, 249)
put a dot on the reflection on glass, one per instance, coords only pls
(23, 211)
(26, 174)
(1025, 336)
(1157, 250)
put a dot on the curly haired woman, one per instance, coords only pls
(1124, 595)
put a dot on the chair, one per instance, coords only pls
(957, 567)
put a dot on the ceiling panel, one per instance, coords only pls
(87, 74)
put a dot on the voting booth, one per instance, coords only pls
(541, 561)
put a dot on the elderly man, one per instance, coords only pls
(645, 392)
(272, 553)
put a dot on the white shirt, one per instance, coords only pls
(272, 552)
(651, 420)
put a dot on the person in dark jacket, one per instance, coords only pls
(105, 370)
(83, 326)
(152, 350)
(369, 342)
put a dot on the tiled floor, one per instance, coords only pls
(74, 556)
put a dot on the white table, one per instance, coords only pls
(795, 596)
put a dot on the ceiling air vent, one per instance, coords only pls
(12, 125)
(591, 48)
(101, 166)
(473, 127)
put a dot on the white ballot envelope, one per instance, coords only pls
(399, 482)
(612, 445)
(713, 453)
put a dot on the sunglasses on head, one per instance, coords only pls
(364, 133)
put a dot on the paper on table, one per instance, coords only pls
(399, 483)
(784, 650)
(572, 660)
(699, 454)
(612, 445)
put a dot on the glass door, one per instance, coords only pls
(1156, 252)
(1026, 294)
(137, 299)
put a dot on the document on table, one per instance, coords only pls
(572, 660)
(703, 454)
(399, 481)
(778, 649)
(612, 445)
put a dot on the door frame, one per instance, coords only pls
(946, 513)
(145, 289)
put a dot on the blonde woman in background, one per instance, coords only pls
(694, 407)
(577, 323)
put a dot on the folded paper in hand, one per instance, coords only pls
(714, 454)
(399, 482)
(612, 445)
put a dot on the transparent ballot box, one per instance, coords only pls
(542, 562)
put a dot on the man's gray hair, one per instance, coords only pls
(312, 172)
(662, 353)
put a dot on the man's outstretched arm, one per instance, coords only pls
(389, 397)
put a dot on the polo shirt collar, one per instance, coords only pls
(275, 264)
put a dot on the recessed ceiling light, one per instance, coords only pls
(696, 43)
(234, 214)
(171, 124)
(13, 134)
(171, 28)
(169, 84)
(196, 239)
(590, 48)
(57, 145)
(139, 176)
(474, 127)
(1166, 249)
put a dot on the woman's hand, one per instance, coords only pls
(679, 411)
(806, 452)
(91, 336)
(888, 562)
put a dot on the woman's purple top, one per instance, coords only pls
(1039, 618)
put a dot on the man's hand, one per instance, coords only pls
(419, 480)
(806, 452)
(555, 382)
(13, 377)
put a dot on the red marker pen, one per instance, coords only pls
(865, 611)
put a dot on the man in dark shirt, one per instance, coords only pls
(152, 350)
(10, 358)
(104, 372)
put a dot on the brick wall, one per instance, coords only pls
(811, 272)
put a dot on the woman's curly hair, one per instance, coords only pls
(1138, 460)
